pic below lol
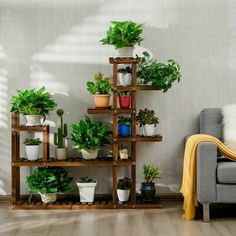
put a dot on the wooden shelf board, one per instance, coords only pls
(124, 60)
(41, 128)
(136, 87)
(109, 111)
(156, 138)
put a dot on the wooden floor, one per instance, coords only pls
(164, 222)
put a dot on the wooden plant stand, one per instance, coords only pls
(103, 201)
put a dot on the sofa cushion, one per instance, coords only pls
(226, 172)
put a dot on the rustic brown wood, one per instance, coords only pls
(109, 111)
(138, 138)
(135, 88)
(41, 128)
(15, 184)
(45, 144)
(124, 60)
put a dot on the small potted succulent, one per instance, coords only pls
(148, 121)
(61, 150)
(124, 99)
(32, 147)
(89, 136)
(86, 186)
(33, 104)
(48, 181)
(124, 35)
(100, 88)
(123, 189)
(124, 153)
(152, 72)
(124, 126)
(148, 190)
(124, 76)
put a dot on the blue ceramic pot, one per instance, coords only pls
(123, 130)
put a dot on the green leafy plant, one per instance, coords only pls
(89, 135)
(123, 34)
(147, 116)
(32, 102)
(124, 93)
(150, 71)
(86, 179)
(102, 84)
(150, 173)
(125, 70)
(61, 130)
(124, 120)
(49, 180)
(124, 184)
(32, 141)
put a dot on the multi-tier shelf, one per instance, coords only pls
(101, 201)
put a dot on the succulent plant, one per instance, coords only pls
(61, 130)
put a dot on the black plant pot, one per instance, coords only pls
(148, 192)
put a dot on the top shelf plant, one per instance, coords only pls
(124, 35)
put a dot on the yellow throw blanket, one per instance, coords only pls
(188, 188)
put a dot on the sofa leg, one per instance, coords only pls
(206, 212)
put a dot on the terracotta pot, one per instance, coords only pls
(102, 100)
(124, 101)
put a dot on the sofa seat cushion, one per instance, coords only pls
(226, 172)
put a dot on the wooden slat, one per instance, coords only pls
(136, 88)
(46, 144)
(138, 138)
(41, 128)
(109, 111)
(124, 60)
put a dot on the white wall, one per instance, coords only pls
(55, 44)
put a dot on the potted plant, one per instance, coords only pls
(124, 153)
(125, 76)
(100, 88)
(89, 136)
(123, 189)
(33, 104)
(148, 120)
(152, 72)
(148, 190)
(124, 35)
(32, 148)
(124, 124)
(48, 181)
(86, 186)
(124, 99)
(61, 150)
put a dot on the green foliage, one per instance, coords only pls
(32, 102)
(61, 130)
(32, 141)
(124, 93)
(125, 70)
(123, 34)
(101, 86)
(86, 179)
(49, 180)
(150, 173)
(158, 74)
(124, 120)
(124, 184)
(89, 135)
(147, 116)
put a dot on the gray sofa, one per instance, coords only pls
(216, 175)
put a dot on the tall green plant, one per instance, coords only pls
(88, 134)
(123, 34)
(49, 180)
(61, 130)
(152, 72)
(32, 102)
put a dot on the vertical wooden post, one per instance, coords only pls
(45, 143)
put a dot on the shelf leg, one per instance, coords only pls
(15, 184)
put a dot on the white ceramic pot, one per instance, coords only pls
(125, 52)
(149, 129)
(61, 153)
(124, 79)
(32, 152)
(48, 197)
(124, 154)
(123, 195)
(86, 191)
(33, 120)
(89, 154)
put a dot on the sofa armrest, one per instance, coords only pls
(206, 172)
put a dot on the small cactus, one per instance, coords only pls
(61, 130)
